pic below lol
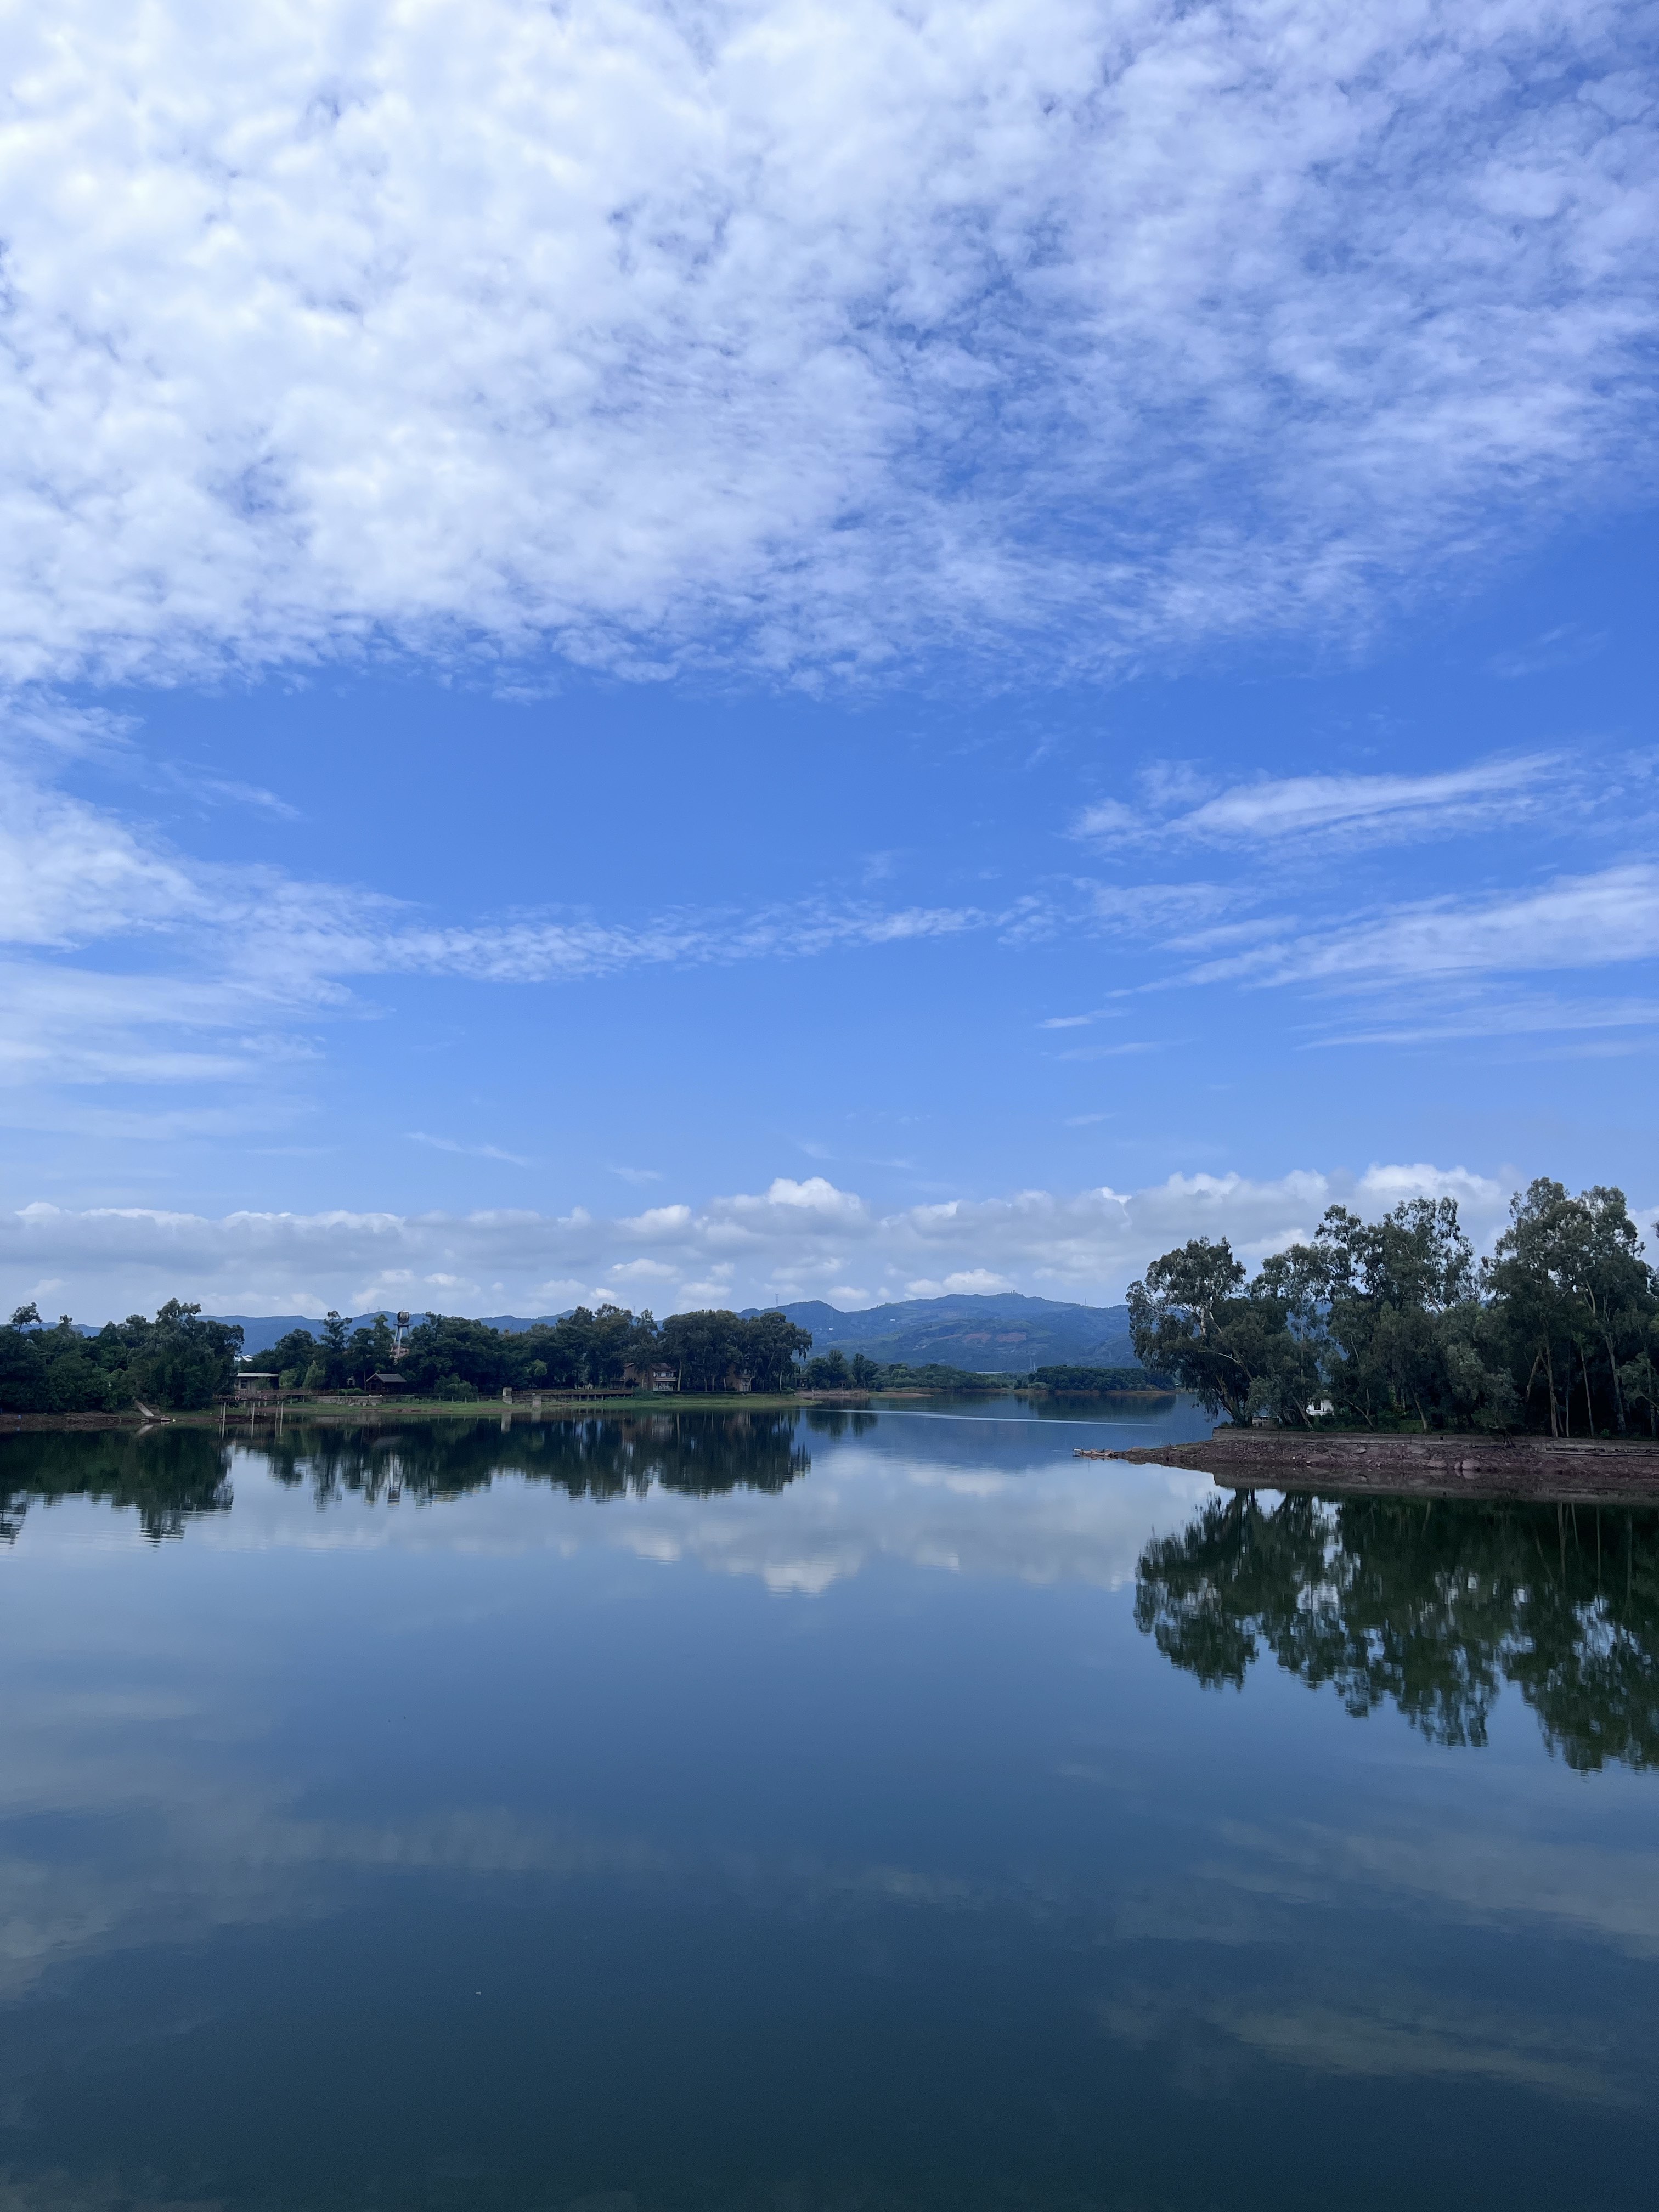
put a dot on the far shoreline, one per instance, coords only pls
(255, 1417)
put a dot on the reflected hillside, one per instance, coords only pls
(170, 1477)
(1431, 1608)
(699, 1454)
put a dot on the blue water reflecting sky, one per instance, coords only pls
(839, 1843)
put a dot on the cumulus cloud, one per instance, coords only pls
(794, 1240)
(796, 335)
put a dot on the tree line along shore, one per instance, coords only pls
(184, 1361)
(1392, 1324)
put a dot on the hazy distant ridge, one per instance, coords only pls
(1003, 1332)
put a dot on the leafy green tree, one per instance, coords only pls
(1380, 1322)
(449, 1348)
(24, 1388)
(704, 1347)
(1232, 1345)
(1577, 1303)
(367, 1350)
(1394, 1305)
(291, 1359)
(771, 1344)
(82, 1375)
(179, 1359)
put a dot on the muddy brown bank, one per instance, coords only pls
(1546, 1469)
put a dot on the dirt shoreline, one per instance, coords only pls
(1546, 1470)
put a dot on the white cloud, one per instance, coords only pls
(1350, 809)
(224, 975)
(966, 1282)
(802, 334)
(742, 1249)
(470, 1151)
(659, 1221)
(69, 873)
(817, 1194)
(1534, 1014)
(1559, 648)
(1576, 921)
(242, 955)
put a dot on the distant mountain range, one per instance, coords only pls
(1003, 1334)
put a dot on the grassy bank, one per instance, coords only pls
(332, 1412)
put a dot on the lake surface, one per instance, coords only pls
(819, 1813)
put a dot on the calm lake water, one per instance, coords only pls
(821, 1813)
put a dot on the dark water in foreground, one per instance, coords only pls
(825, 1814)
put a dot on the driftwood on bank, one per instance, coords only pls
(1546, 1469)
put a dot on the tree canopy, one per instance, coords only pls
(1099, 1382)
(601, 1348)
(180, 1360)
(1391, 1323)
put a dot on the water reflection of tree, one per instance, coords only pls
(169, 1478)
(840, 1421)
(700, 1453)
(1430, 1606)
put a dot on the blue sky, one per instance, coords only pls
(773, 651)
